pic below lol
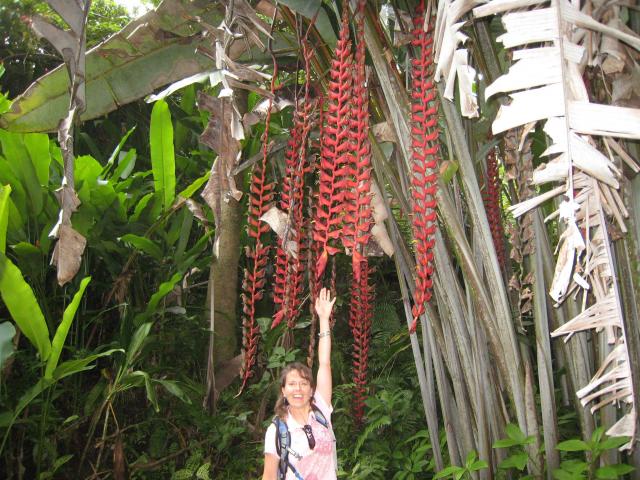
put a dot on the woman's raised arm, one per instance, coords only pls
(324, 305)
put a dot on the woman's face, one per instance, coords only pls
(297, 390)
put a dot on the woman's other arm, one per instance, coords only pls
(270, 471)
(324, 305)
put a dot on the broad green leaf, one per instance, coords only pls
(573, 445)
(7, 332)
(162, 153)
(37, 144)
(613, 471)
(19, 163)
(478, 465)
(23, 306)
(63, 329)
(613, 442)
(519, 461)
(313, 9)
(137, 340)
(173, 388)
(451, 470)
(140, 206)
(514, 432)
(144, 244)
(78, 365)
(505, 443)
(4, 216)
(126, 67)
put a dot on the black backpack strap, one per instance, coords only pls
(322, 420)
(283, 447)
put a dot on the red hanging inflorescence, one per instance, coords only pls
(288, 285)
(492, 205)
(360, 316)
(260, 196)
(335, 151)
(424, 142)
(358, 219)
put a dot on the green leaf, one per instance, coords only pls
(5, 191)
(478, 465)
(518, 461)
(514, 432)
(126, 67)
(195, 185)
(313, 9)
(137, 340)
(613, 471)
(125, 165)
(451, 470)
(20, 165)
(144, 244)
(172, 387)
(163, 291)
(505, 443)
(71, 367)
(151, 393)
(7, 332)
(573, 445)
(203, 472)
(613, 442)
(23, 306)
(63, 329)
(115, 154)
(140, 206)
(162, 153)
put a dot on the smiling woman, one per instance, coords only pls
(300, 443)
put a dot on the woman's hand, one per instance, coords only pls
(324, 304)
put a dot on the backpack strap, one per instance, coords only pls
(283, 447)
(322, 420)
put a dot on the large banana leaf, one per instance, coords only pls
(154, 50)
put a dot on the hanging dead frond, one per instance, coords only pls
(67, 254)
(546, 83)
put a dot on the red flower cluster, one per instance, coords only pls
(492, 205)
(360, 316)
(260, 196)
(424, 142)
(335, 156)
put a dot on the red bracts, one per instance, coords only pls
(335, 151)
(360, 316)
(492, 205)
(424, 142)
(260, 196)
(359, 217)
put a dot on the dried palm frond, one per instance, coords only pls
(546, 84)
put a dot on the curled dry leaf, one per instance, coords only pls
(67, 254)
(279, 223)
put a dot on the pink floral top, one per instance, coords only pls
(317, 464)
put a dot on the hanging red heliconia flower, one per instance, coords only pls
(358, 219)
(260, 197)
(492, 205)
(290, 269)
(424, 164)
(360, 316)
(335, 151)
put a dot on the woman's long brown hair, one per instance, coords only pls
(305, 372)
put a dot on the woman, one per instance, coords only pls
(303, 410)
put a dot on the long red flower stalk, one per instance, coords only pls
(335, 151)
(492, 205)
(359, 219)
(360, 316)
(424, 142)
(260, 196)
